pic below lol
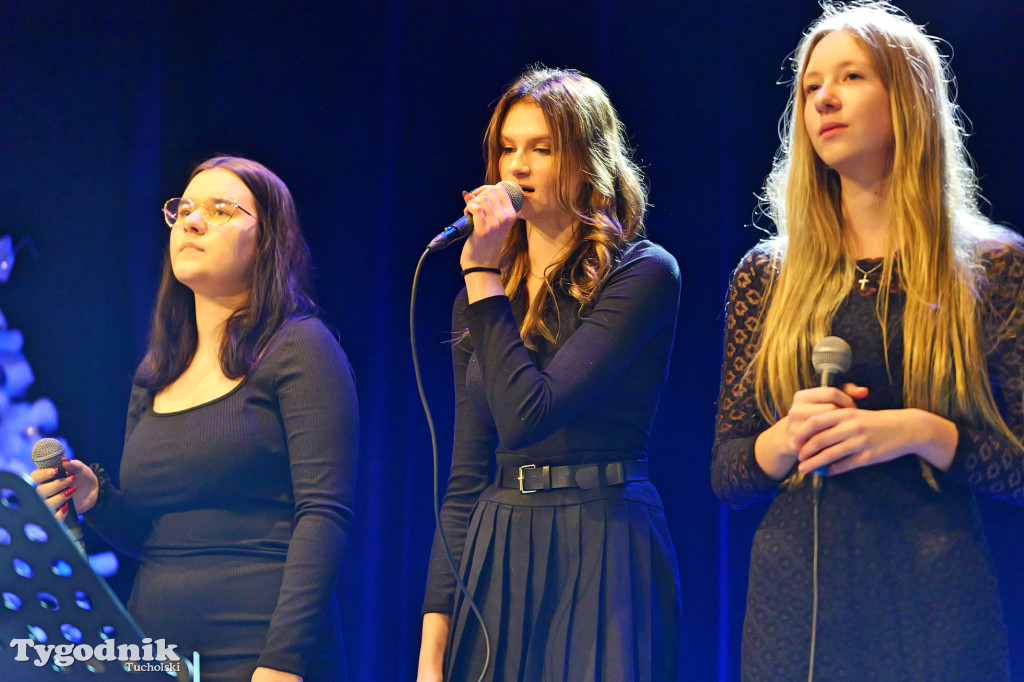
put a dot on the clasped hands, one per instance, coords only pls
(824, 428)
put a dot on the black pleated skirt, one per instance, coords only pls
(574, 585)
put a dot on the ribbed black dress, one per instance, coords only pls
(574, 584)
(239, 510)
(906, 587)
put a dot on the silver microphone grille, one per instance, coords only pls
(47, 453)
(515, 193)
(831, 354)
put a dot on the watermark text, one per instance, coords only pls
(66, 654)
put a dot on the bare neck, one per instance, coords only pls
(866, 217)
(546, 243)
(211, 317)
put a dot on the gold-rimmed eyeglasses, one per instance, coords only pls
(213, 211)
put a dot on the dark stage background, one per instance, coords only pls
(372, 113)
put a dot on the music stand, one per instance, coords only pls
(49, 593)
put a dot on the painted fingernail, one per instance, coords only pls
(71, 478)
(56, 470)
(64, 508)
(70, 491)
(64, 459)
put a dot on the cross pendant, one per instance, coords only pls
(863, 281)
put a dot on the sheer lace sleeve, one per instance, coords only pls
(735, 475)
(986, 460)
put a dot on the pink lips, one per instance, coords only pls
(830, 129)
(189, 245)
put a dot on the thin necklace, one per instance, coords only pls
(863, 281)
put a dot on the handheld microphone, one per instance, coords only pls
(831, 358)
(47, 453)
(463, 227)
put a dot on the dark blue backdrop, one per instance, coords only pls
(372, 113)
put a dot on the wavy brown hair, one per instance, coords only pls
(279, 287)
(588, 139)
(934, 226)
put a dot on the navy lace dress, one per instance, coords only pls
(906, 586)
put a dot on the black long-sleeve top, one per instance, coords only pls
(267, 470)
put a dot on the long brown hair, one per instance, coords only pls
(279, 287)
(934, 223)
(589, 140)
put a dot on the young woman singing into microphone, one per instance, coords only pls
(569, 317)
(879, 242)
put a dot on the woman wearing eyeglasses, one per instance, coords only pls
(240, 453)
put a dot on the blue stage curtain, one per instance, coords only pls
(372, 113)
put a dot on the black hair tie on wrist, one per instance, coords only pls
(496, 271)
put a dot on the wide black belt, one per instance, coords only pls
(530, 478)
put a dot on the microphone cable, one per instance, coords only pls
(433, 444)
(817, 483)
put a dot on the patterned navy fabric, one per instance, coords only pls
(907, 590)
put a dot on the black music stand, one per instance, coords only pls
(49, 593)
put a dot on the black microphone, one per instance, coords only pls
(831, 358)
(463, 227)
(47, 453)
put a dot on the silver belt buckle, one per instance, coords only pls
(520, 478)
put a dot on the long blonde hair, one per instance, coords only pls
(934, 222)
(609, 207)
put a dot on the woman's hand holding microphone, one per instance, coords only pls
(79, 485)
(493, 214)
